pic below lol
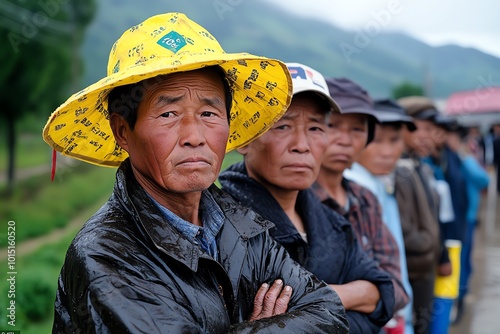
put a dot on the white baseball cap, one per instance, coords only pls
(306, 79)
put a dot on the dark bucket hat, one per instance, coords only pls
(446, 122)
(353, 99)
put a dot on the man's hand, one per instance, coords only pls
(270, 301)
(445, 269)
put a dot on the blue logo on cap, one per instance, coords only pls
(302, 73)
(172, 41)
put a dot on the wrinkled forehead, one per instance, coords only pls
(209, 81)
(309, 105)
(212, 74)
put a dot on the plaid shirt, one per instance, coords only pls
(365, 216)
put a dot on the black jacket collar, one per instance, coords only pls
(167, 239)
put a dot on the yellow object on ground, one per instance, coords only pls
(447, 286)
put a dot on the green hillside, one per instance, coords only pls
(260, 28)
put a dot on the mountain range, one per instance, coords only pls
(377, 61)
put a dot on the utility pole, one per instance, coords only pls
(427, 80)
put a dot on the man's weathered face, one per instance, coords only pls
(454, 141)
(347, 136)
(440, 136)
(421, 141)
(179, 140)
(288, 156)
(496, 129)
(382, 154)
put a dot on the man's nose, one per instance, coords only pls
(191, 132)
(300, 142)
(342, 137)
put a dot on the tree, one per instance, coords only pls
(407, 89)
(39, 57)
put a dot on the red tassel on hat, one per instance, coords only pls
(53, 171)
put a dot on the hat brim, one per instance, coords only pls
(80, 128)
(362, 111)
(426, 115)
(392, 117)
(449, 124)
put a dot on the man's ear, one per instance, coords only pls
(242, 150)
(120, 129)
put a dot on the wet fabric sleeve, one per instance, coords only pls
(386, 253)
(420, 229)
(314, 307)
(118, 301)
(359, 266)
(475, 173)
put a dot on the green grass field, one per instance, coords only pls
(36, 284)
(39, 206)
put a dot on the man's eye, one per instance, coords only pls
(208, 114)
(316, 128)
(281, 127)
(167, 114)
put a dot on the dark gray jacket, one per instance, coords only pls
(332, 252)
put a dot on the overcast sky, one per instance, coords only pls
(474, 23)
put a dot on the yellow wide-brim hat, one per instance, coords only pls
(163, 44)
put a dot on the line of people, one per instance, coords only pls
(398, 171)
(378, 171)
(334, 222)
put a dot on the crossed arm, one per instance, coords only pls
(360, 295)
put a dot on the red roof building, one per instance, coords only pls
(482, 100)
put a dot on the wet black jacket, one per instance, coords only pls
(129, 271)
(332, 252)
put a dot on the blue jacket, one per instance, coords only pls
(450, 167)
(476, 179)
(332, 252)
